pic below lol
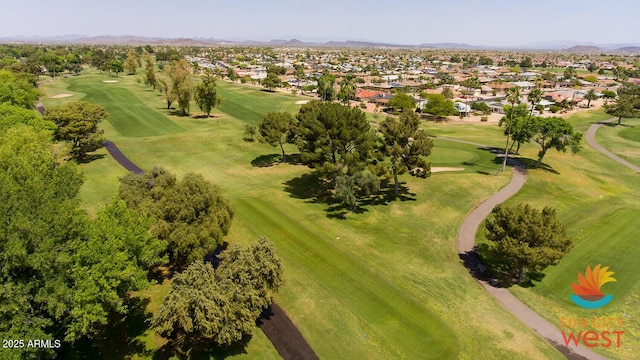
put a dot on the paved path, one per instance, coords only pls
(590, 136)
(120, 158)
(466, 251)
(274, 322)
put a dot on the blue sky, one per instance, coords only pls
(476, 22)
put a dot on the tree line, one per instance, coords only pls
(71, 277)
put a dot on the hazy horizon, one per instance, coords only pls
(474, 22)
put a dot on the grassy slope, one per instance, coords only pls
(597, 199)
(623, 140)
(391, 273)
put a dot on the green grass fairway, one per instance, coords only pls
(249, 103)
(597, 199)
(128, 115)
(410, 329)
(623, 140)
(381, 284)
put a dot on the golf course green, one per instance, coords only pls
(387, 282)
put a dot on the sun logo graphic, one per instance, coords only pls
(587, 290)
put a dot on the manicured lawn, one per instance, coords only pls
(623, 140)
(384, 283)
(126, 113)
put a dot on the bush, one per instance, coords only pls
(555, 108)
(608, 94)
(363, 105)
(484, 119)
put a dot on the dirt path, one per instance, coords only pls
(466, 251)
(274, 322)
(590, 136)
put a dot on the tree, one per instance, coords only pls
(150, 78)
(351, 188)
(109, 264)
(182, 86)
(402, 102)
(250, 131)
(206, 94)
(231, 74)
(16, 91)
(569, 72)
(276, 128)
(347, 88)
(590, 96)
(191, 214)
(41, 220)
(513, 97)
(115, 66)
(131, 62)
(12, 115)
(169, 95)
(526, 240)
(438, 106)
(627, 104)
(521, 129)
(447, 93)
(405, 146)
(554, 133)
(526, 63)
(222, 306)
(271, 81)
(334, 139)
(326, 89)
(78, 125)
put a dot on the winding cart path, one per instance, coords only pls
(466, 251)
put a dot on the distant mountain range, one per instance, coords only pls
(566, 45)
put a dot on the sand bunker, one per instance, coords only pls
(60, 96)
(302, 102)
(110, 81)
(442, 169)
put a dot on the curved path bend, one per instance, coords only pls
(466, 251)
(591, 139)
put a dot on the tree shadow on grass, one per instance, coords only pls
(614, 124)
(531, 163)
(90, 157)
(119, 339)
(273, 159)
(265, 160)
(203, 350)
(307, 187)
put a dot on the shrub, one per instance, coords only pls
(608, 94)
(484, 118)
(555, 108)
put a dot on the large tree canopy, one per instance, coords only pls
(11, 115)
(78, 125)
(554, 133)
(526, 240)
(206, 305)
(334, 139)
(17, 92)
(191, 214)
(63, 276)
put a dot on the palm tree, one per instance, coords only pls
(348, 87)
(513, 97)
(590, 95)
